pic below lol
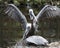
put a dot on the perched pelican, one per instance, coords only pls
(28, 36)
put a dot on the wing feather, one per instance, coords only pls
(52, 11)
(48, 11)
(42, 11)
(13, 12)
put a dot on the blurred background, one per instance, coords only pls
(11, 31)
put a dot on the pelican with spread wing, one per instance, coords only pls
(47, 11)
(28, 36)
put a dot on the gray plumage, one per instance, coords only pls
(48, 11)
(16, 14)
(13, 12)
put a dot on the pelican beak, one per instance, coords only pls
(31, 14)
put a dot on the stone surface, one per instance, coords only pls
(51, 45)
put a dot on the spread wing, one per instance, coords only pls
(13, 12)
(48, 11)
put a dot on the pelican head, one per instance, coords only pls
(32, 16)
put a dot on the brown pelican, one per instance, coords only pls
(28, 36)
(47, 11)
